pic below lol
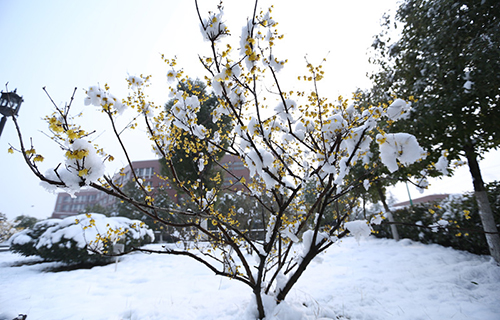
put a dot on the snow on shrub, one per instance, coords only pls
(456, 217)
(81, 238)
(24, 242)
(359, 229)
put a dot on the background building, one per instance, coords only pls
(148, 171)
(426, 199)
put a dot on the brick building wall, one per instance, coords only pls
(146, 170)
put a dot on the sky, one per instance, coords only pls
(61, 45)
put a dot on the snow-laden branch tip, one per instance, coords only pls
(399, 109)
(402, 147)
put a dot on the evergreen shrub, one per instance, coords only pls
(460, 212)
(85, 238)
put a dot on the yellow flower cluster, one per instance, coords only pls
(91, 222)
(467, 214)
(55, 125)
(77, 154)
(149, 200)
(83, 172)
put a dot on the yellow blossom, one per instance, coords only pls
(72, 135)
(467, 214)
(77, 154)
(30, 151)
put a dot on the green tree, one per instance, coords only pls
(447, 57)
(128, 210)
(371, 172)
(6, 228)
(23, 222)
(97, 208)
(188, 156)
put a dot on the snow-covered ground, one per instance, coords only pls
(373, 280)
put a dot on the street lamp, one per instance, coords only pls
(10, 103)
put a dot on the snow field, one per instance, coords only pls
(374, 279)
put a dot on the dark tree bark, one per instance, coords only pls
(394, 229)
(487, 219)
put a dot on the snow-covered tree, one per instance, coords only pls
(187, 165)
(379, 177)
(447, 58)
(7, 228)
(287, 140)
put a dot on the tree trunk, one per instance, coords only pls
(296, 275)
(388, 213)
(487, 219)
(260, 304)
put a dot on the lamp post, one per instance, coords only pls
(10, 103)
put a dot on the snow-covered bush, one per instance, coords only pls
(81, 238)
(456, 221)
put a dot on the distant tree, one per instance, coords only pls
(98, 208)
(23, 222)
(188, 157)
(126, 209)
(447, 57)
(375, 176)
(6, 228)
(249, 213)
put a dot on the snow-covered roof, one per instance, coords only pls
(429, 198)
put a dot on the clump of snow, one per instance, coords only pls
(290, 231)
(83, 165)
(185, 116)
(468, 83)
(366, 184)
(135, 82)
(214, 28)
(376, 219)
(399, 146)
(102, 98)
(399, 109)
(172, 76)
(442, 164)
(458, 163)
(440, 224)
(270, 228)
(359, 229)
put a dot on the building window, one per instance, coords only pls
(144, 173)
(237, 165)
